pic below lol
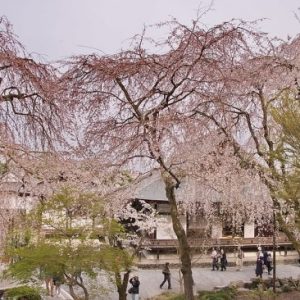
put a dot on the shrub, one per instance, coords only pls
(23, 293)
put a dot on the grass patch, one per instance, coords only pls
(232, 294)
(224, 294)
(169, 296)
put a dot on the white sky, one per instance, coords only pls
(60, 28)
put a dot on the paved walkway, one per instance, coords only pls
(204, 278)
(62, 296)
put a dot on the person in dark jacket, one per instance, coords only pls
(265, 257)
(269, 263)
(134, 290)
(223, 260)
(167, 276)
(259, 267)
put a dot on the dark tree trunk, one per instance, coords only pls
(122, 285)
(72, 293)
(184, 249)
(86, 293)
(80, 284)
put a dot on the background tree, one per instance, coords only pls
(29, 113)
(287, 116)
(74, 224)
(255, 88)
(138, 220)
(73, 234)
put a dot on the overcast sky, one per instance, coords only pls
(60, 28)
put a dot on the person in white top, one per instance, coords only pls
(239, 259)
(259, 253)
(214, 257)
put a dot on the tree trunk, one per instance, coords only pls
(72, 293)
(122, 285)
(184, 249)
(74, 296)
(80, 284)
(86, 293)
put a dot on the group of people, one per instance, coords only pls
(264, 260)
(219, 260)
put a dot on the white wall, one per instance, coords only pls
(165, 230)
(13, 201)
(216, 230)
(249, 230)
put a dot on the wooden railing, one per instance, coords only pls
(222, 242)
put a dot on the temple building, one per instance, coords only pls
(199, 232)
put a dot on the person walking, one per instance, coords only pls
(58, 279)
(167, 276)
(49, 285)
(214, 257)
(239, 259)
(135, 288)
(265, 257)
(259, 267)
(269, 263)
(223, 260)
(259, 253)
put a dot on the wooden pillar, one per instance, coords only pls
(187, 224)
(155, 230)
